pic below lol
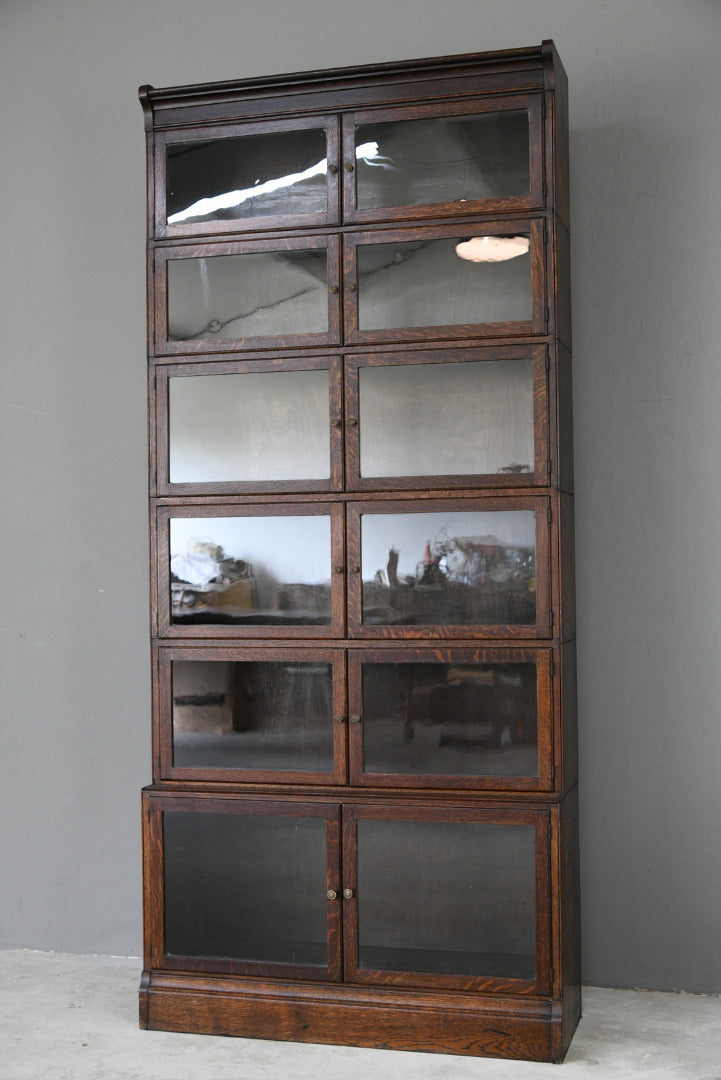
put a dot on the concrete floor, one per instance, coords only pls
(75, 1018)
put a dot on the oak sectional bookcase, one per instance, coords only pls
(362, 822)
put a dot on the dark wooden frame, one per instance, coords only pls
(532, 103)
(235, 131)
(353, 812)
(537, 324)
(160, 545)
(165, 346)
(538, 356)
(231, 364)
(454, 654)
(513, 1021)
(540, 506)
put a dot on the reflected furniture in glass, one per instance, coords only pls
(362, 825)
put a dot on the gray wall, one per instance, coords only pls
(645, 143)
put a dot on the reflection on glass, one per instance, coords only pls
(255, 426)
(435, 419)
(258, 294)
(258, 715)
(245, 887)
(426, 283)
(272, 571)
(278, 173)
(445, 159)
(447, 898)
(450, 719)
(449, 568)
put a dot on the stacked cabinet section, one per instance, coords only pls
(362, 822)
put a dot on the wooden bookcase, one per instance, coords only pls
(362, 826)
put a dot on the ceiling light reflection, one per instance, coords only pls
(492, 249)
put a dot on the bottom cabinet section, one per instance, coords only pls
(403, 912)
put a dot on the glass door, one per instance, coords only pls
(245, 886)
(455, 568)
(265, 715)
(448, 158)
(451, 717)
(448, 418)
(478, 279)
(245, 570)
(249, 426)
(447, 898)
(256, 294)
(237, 177)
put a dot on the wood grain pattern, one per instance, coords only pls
(507, 1029)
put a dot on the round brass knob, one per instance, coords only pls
(333, 289)
(349, 166)
(338, 719)
(336, 423)
(332, 169)
(348, 894)
(355, 569)
(352, 422)
(352, 286)
(337, 569)
(355, 719)
(331, 894)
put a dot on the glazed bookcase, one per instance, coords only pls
(362, 826)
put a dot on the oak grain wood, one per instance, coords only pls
(505, 1017)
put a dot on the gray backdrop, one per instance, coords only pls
(645, 85)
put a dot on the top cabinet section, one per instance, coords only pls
(420, 140)
(409, 162)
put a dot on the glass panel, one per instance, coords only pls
(427, 283)
(256, 294)
(257, 715)
(450, 719)
(449, 568)
(446, 159)
(255, 426)
(447, 898)
(246, 887)
(434, 419)
(253, 176)
(262, 570)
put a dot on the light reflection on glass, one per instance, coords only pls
(464, 719)
(267, 715)
(445, 159)
(228, 200)
(451, 568)
(255, 570)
